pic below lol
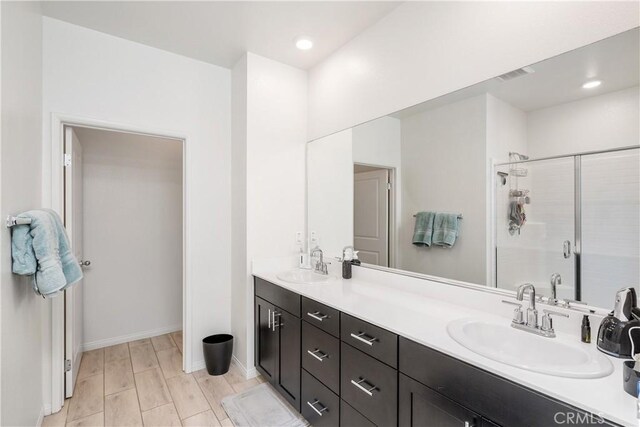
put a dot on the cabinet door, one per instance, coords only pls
(288, 377)
(421, 406)
(266, 340)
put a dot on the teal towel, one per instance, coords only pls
(42, 249)
(423, 229)
(446, 228)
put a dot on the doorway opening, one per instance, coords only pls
(123, 209)
(373, 202)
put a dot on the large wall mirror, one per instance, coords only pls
(532, 176)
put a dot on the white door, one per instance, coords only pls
(73, 316)
(371, 216)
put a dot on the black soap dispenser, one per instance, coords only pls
(347, 257)
(586, 329)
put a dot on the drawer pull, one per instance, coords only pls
(359, 383)
(364, 338)
(275, 325)
(269, 318)
(318, 411)
(317, 315)
(318, 354)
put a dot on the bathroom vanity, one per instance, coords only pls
(343, 354)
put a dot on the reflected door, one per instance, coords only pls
(371, 216)
(544, 244)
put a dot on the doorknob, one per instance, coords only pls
(85, 263)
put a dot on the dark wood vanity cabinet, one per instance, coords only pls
(420, 406)
(277, 339)
(339, 370)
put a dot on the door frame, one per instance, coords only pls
(56, 202)
(392, 248)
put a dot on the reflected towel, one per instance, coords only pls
(423, 230)
(446, 228)
(42, 248)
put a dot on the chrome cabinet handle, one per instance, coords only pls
(318, 411)
(359, 383)
(273, 322)
(364, 338)
(84, 263)
(269, 321)
(317, 315)
(566, 249)
(315, 353)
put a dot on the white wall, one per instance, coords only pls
(596, 123)
(422, 50)
(330, 191)
(443, 152)
(239, 261)
(378, 143)
(132, 212)
(275, 138)
(94, 75)
(21, 309)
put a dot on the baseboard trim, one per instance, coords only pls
(93, 345)
(43, 412)
(248, 373)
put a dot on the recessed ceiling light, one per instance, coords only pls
(591, 84)
(304, 43)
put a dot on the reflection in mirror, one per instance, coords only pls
(530, 177)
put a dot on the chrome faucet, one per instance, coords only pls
(556, 280)
(320, 266)
(532, 313)
(531, 322)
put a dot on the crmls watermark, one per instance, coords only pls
(577, 418)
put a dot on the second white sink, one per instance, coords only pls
(551, 356)
(305, 277)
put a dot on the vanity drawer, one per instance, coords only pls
(322, 316)
(481, 391)
(283, 298)
(370, 386)
(349, 417)
(321, 356)
(375, 341)
(320, 406)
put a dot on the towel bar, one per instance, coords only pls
(12, 220)
(459, 216)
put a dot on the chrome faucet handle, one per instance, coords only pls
(547, 321)
(518, 316)
(567, 302)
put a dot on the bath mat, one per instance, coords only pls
(261, 406)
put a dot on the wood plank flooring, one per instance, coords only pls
(142, 383)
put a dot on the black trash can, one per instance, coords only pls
(217, 353)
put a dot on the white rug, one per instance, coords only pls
(261, 406)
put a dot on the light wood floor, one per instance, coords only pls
(142, 383)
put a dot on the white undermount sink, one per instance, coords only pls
(551, 356)
(305, 277)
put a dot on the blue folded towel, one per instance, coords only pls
(445, 229)
(42, 248)
(423, 229)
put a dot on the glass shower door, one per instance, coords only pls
(610, 205)
(544, 243)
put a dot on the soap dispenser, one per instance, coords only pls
(347, 258)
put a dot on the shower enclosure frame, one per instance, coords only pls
(577, 182)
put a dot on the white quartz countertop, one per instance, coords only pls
(424, 320)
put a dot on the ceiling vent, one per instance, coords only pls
(515, 74)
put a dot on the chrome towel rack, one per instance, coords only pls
(14, 220)
(459, 216)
